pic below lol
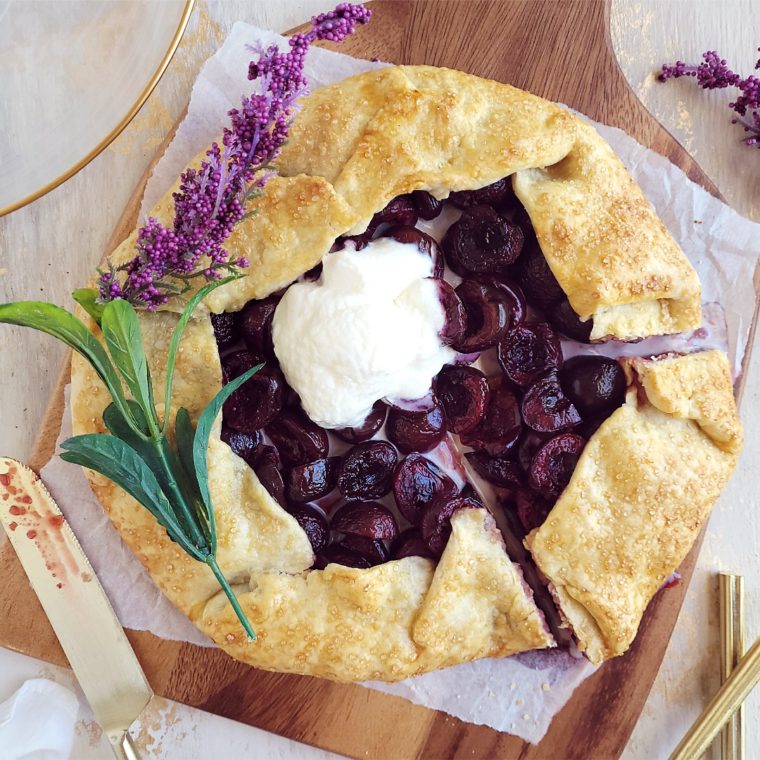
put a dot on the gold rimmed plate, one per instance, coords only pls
(74, 74)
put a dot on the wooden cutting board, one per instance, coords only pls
(560, 51)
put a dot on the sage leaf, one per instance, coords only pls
(171, 358)
(87, 298)
(200, 442)
(119, 462)
(59, 323)
(121, 331)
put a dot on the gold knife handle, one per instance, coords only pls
(123, 747)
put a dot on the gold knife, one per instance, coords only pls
(76, 605)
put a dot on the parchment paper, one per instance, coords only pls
(519, 694)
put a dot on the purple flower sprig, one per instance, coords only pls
(713, 74)
(212, 199)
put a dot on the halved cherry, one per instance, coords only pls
(496, 194)
(455, 315)
(271, 478)
(416, 482)
(537, 279)
(425, 244)
(367, 429)
(307, 482)
(338, 555)
(489, 315)
(225, 329)
(410, 544)
(545, 407)
(297, 438)
(366, 470)
(259, 400)
(595, 384)
(501, 425)
(367, 519)
(532, 509)
(426, 205)
(530, 442)
(435, 521)
(554, 464)
(518, 306)
(400, 210)
(415, 431)
(482, 241)
(500, 471)
(463, 393)
(255, 322)
(372, 550)
(565, 319)
(314, 525)
(527, 351)
(244, 445)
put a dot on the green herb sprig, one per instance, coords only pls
(169, 480)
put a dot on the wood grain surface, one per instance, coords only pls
(560, 51)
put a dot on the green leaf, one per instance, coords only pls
(200, 442)
(171, 358)
(59, 323)
(87, 298)
(121, 330)
(112, 457)
(184, 434)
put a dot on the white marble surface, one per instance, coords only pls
(52, 245)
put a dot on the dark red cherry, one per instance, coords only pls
(532, 509)
(256, 324)
(415, 431)
(518, 306)
(554, 464)
(463, 393)
(245, 445)
(314, 525)
(537, 279)
(410, 544)
(269, 477)
(545, 407)
(530, 442)
(595, 384)
(314, 273)
(488, 315)
(308, 482)
(225, 329)
(366, 471)
(498, 431)
(500, 471)
(259, 400)
(368, 428)
(426, 205)
(435, 521)
(367, 519)
(297, 438)
(569, 323)
(481, 241)
(425, 244)
(338, 555)
(528, 351)
(400, 210)
(455, 316)
(373, 551)
(496, 194)
(416, 482)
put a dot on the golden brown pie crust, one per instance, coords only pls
(354, 146)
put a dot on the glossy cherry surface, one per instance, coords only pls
(245, 445)
(367, 429)
(455, 315)
(366, 470)
(259, 400)
(372, 550)
(496, 194)
(297, 438)
(255, 321)
(339, 555)
(410, 544)
(554, 463)
(367, 519)
(416, 482)
(545, 407)
(225, 329)
(500, 471)
(435, 521)
(489, 315)
(463, 393)
(314, 525)
(595, 384)
(415, 431)
(426, 205)
(537, 279)
(498, 431)
(566, 321)
(532, 509)
(528, 351)
(311, 481)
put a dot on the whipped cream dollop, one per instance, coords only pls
(367, 329)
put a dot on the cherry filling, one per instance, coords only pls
(387, 488)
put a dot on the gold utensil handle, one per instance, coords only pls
(732, 650)
(721, 707)
(123, 747)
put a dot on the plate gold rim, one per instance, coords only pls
(119, 128)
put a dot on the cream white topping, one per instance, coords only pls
(367, 329)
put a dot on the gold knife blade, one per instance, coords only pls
(76, 604)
